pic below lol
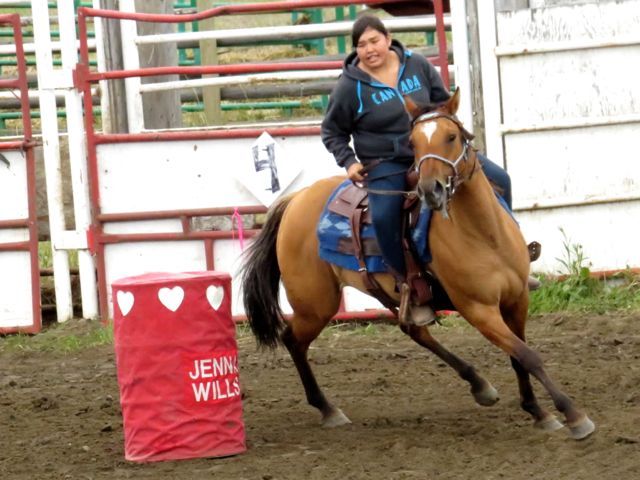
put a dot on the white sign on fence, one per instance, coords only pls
(266, 170)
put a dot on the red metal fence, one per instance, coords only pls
(25, 146)
(84, 78)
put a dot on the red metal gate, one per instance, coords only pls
(84, 78)
(19, 269)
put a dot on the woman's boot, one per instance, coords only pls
(411, 314)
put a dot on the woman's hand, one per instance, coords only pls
(353, 172)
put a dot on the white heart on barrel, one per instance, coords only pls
(171, 297)
(125, 301)
(215, 295)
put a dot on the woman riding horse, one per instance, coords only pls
(479, 256)
(367, 104)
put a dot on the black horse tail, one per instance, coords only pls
(260, 276)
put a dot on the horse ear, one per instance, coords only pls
(453, 103)
(411, 107)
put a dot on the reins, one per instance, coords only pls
(375, 163)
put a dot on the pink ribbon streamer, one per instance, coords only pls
(240, 226)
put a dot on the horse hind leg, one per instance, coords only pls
(483, 392)
(298, 347)
(315, 299)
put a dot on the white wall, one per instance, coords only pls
(564, 86)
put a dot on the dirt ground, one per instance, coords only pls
(412, 417)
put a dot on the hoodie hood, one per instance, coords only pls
(351, 70)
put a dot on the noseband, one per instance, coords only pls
(453, 181)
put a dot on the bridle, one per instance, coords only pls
(453, 181)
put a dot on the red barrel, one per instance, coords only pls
(177, 362)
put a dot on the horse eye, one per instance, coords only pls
(452, 137)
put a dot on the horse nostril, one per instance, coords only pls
(433, 192)
(438, 188)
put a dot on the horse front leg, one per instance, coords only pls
(489, 322)
(331, 415)
(483, 392)
(544, 420)
(516, 318)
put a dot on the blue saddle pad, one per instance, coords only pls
(333, 227)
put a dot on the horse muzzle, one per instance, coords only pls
(433, 192)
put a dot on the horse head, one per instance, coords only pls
(442, 151)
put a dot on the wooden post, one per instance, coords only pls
(116, 119)
(161, 109)
(476, 76)
(513, 5)
(209, 56)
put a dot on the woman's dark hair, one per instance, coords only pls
(364, 22)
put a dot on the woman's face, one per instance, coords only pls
(372, 48)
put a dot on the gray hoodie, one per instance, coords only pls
(374, 114)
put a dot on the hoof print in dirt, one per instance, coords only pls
(44, 403)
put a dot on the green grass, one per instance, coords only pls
(577, 290)
(67, 338)
(584, 293)
(45, 256)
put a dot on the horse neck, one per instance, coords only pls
(475, 209)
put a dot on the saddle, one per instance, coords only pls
(353, 203)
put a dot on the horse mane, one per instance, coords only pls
(430, 107)
(433, 107)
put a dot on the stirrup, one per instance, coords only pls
(533, 283)
(410, 314)
(534, 251)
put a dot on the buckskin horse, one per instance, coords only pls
(479, 256)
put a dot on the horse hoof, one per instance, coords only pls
(549, 424)
(335, 419)
(486, 397)
(582, 428)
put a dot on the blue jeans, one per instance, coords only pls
(497, 175)
(386, 209)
